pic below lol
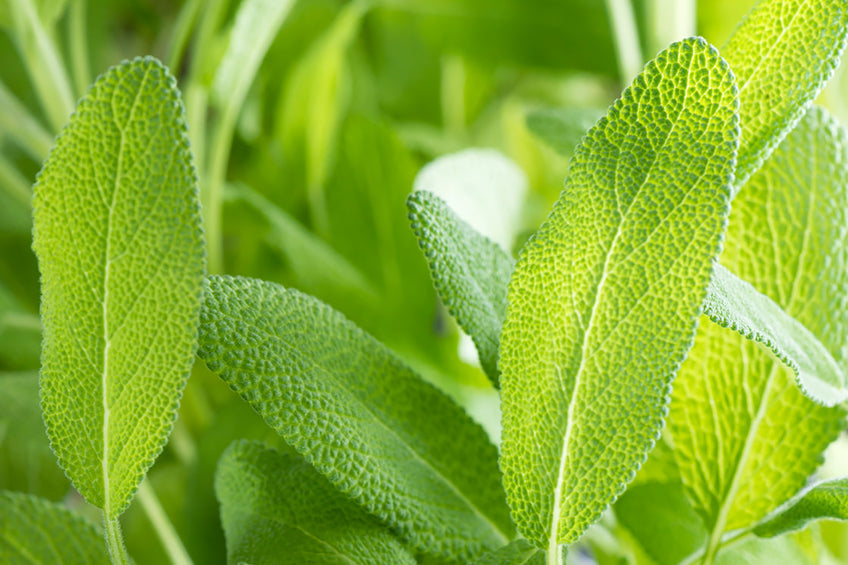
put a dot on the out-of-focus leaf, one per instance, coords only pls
(827, 499)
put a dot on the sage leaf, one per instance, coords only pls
(562, 128)
(120, 249)
(276, 508)
(782, 54)
(604, 300)
(735, 304)
(33, 530)
(518, 552)
(828, 499)
(380, 434)
(745, 437)
(470, 273)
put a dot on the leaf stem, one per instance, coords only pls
(20, 126)
(668, 21)
(163, 526)
(626, 32)
(554, 555)
(43, 63)
(79, 46)
(115, 541)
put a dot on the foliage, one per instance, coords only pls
(318, 299)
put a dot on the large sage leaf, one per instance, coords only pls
(117, 234)
(782, 54)
(746, 438)
(33, 530)
(379, 433)
(827, 499)
(604, 300)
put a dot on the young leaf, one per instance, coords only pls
(33, 530)
(827, 499)
(745, 437)
(735, 304)
(364, 420)
(562, 128)
(118, 238)
(782, 54)
(518, 552)
(470, 273)
(276, 508)
(604, 300)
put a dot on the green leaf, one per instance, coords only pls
(380, 434)
(562, 128)
(659, 516)
(745, 437)
(117, 234)
(827, 499)
(784, 549)
(782, 54)
(276, 508)
(470, 273)
(735, 304)
(604, 300)
(26, 462)
(33, 530)
(518, 552)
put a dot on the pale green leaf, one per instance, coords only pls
(276, 508)
(117, 234)
(785, 549)
(827, 499)
(782, 54)
(518, 552)
(470, 273)
(33, 530)
(735, 304)
(604, 300)
(746, 438)
(660, 518)
(363, 419)
(562, 128)
(482, 187)
(26, 462)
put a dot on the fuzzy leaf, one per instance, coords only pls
(745, 437)
(827, 499)
(518, 552)
(470, 273)
(735, 304)
(33, 530)
(276, 508)
(363, 419)
(782, 54)
(604, 300)
(562, 128)
(118, 238)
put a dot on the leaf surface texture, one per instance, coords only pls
(276, 508)
(604, 300)
(120, 249)
(827, 499)
(362, 418)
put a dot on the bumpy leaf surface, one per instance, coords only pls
(828, 499)
(735, 304)
(118, 238)
(518, 552)
(33, 530)
(782, 54)
(363, 419)
(470, 273)
(276, 508)
(604, 300)
(745, 437)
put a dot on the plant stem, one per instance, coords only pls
(668, 21)
(554, 555)
(626, 33)
(45, 67)
(182, 30)
(163, 526)
(79, 46)
(21, 127)
(115, 541)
